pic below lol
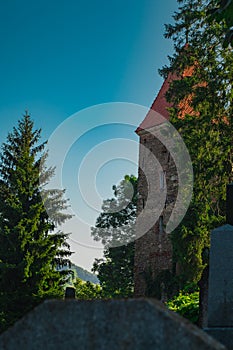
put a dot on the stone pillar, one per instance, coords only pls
(70, 293)
(203, 298)
(220, 295)
(229, 204)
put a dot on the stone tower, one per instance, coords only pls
(153, 248)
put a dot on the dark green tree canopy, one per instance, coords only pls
(30, 249)
(115, 228)
(224, 12)
(207, 131)
(115, 225)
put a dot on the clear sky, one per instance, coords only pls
(59, 57)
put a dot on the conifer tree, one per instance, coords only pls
(224, 11)
(207, 130)
(31, 248)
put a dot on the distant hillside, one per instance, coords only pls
(84, 274)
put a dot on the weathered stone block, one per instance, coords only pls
(220, 299)
(133, 324)
(223, 335)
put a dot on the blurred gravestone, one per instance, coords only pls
(133, 324)
(220, 294)
(229, 204)
(70, 293)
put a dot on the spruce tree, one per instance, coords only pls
(224, 11)
(31, 247)
(207, 130)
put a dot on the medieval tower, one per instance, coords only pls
(157, 185)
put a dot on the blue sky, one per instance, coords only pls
(59, 57)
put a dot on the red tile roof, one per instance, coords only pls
(160, 104)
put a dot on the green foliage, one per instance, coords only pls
(115, 271)
(115, 227)
(87, 290)
(186, 305)
(224, 12)
(30, 250)
(83, 274)
(116, 223)
(162, 286)
(207, 131)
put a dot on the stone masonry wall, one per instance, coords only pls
(153, 249)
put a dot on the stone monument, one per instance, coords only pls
(220, 294)
(130, 324)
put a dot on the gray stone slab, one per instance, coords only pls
(220, 298)
(139, 324)
(223, 335)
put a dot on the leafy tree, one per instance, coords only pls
(206, 87)
(115, 271)
(116, 224)
(115, 227)
(87, 290)
(31, 248)
(186, 304)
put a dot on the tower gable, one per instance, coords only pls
(160, 105)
